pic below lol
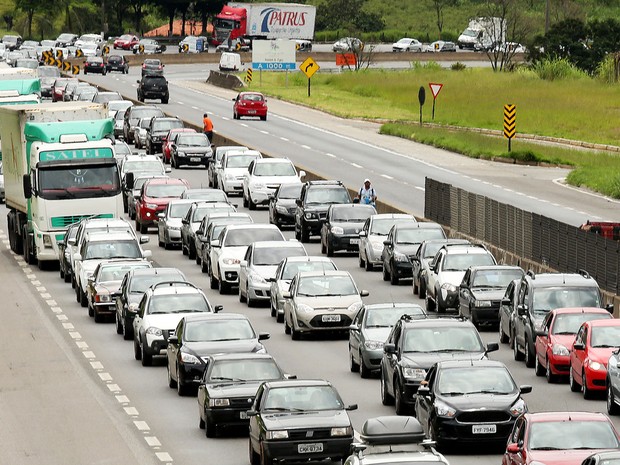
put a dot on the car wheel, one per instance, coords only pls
(503, 337)
(430, 304)
(213, 282)
(254, 458)
(67, 277)
(516, 353)
(329, 249)
(422, 291)
(287, 328)
(263, 118)
(251, 302)
(83, 298)
(144, 228)
(416, 288)
(353, 365)
(529, 355)
(264, 458)
(191, 251)
(137, 353)
(574, 387)
(242, 297)
(393, 277)
(62, 272)
(365, 372)
(182, 389)
(160, 243)
(551, 378)
(210, 427)
(360, 260)
(127, 331)
(297, 232)
(203, 265)
(279, 317)
(147, 359)
(171, 382)
(399, 404)
(251, 204)
(386, 398)
(222, 285)
(367, 265)
(304, 234)
(99, 318)
(91, 310)
(587, 392)
(119, 324)
(612, 407)
(164, 101)
(295, 334)
(538, 368)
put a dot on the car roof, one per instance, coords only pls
(232, 227)
(470, 363)
(181, 201)
(418, 225)
(560, 279)
(279, 244)
(168, 180)
(603, 322)
(380, 216)
(297, 382)
(392, 305)
(214, 316)
(308, 258)
(107, 222)
(566, 416)
(144, 156)
(572, 310)
(273, 160)
(458, 249)
(495, 267)
(103, 236)
(312, 274)
(343, 206)
(434, 322)
(238, 355)
(156, 271)
(174, 287)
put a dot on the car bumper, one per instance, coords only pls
(403, 270)
(243, 112)
(284, 217)
(107, 308)
(560, 364)
(485, 315)
(190, 374)
(315, 322)
(448, 299)
(193, 159)
(261, 197)
(229, 273)
(314, 225)
(451, 430)
(116, 68)
(154, 95)
(259, 291)
(345, 242)
(372, 358)
(374, 256)
(596, 379)
(233, 186)
(288, 450)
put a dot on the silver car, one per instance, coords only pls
(318, 302)
(140, 132)
(215, 167)
(169, 222)
(259, 265)
(372, 235)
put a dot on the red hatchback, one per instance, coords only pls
(594, 343)
(250, 104)
(168, 140)
(559, 438)
(555, 341)
(154, 196)
(126, 42)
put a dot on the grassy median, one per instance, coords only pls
(577, 108)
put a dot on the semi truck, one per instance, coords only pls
(483, 34)
(19, 85)
(239, 22)
(59, 168)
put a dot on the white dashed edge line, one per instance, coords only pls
(105, 377)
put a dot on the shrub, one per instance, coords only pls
(607, 70)
(557, 69)
(458, 66)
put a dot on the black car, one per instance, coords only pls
(282, 204)
(423, 257)
(94, 65)
(117, 63)
(200, 335)
(191, 148)
(401, 246)
(134, 285)
(228, 387)
(295, 420)
(153, 87)
(482, 289)
(63, 252)
(470, 401)
(157, 132)
(341, 230)
(312, 206)
(415, 345)
(152, 67)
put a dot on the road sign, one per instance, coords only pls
(435, 88)
(510, 123)
(59, 53)
(75, 69)
(141, 48)
(66, 66)
(106, 50)
(309, 67)
(248, 75)
(59, 63)
(185, 48)
(79, 53)
(346, 59)
(273, 55)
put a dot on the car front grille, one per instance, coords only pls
(317, 322)
(309, 434)
(483, 416)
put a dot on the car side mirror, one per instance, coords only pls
(173, 340)
(251, 413)
(243, 263)
(286, 294)
(144, 239)
(147, 253)
(389, 348)
(302, 174)
(77, 257)
(522, 309)
(218, 308)
(184, 221)
(215, 243)
(354, 328)
(234, 99)
(513, 448)
(298, 202)
(526, 389)
(364, 293)
(351, 407)
(506, 301)
(386, 243)
(424, 391)
(579, 346)
(363, 234)
(263, 336)
(610, 308)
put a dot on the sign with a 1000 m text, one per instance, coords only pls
(273, 55)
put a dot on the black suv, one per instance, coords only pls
(117, 63)
(413, 346)
(312, 206)
(153, 87)
(158, 130)
(538, 295)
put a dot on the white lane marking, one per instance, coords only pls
(331, 155)
(264, 132)
(243, 124)
(356, 165)
(180, 103)
(307, 147)
(132, 411)
(163, 456)
(195, 108)
(142, 425)
(386, 176)
(152, 441)
(284, 139)
(420, 188)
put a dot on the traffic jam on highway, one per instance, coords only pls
(91, 178)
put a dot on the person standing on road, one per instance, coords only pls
(207, 126)
(367, 194)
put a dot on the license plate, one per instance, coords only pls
(484, 429)
(251, 112)
(330, 318)
(243, 415)
(355, 241)
(194, 159)
(310, 448)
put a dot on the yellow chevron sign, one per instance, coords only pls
(510, 121)
(66, 66)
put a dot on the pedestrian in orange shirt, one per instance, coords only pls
(207, 126)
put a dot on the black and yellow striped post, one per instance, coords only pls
(248, 76)
(510, 123)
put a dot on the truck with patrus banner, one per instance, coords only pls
(59, 168)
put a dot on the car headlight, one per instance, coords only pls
(483, 303)
(337, 230)
(103, 298)
(311, 215)
(354, 308)
(447, 287)
(444, 410)
(153, 331)
(399, 257)
(518, 408)
(278, 434)
(417, 374)
(596, 366)
(373, 345)
(152, 206)
(219, 402)
(304, 308)
(47, 240)
(230, 177)
(342, 431)
(281, 209)
(257, 185)
(256, 278)
(180, 153)
(231, 261)
(559, 349)
(189, 358)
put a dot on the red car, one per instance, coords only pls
(559, 438)
(126, 42)
(554, 343)
(594, 343)
(155, 195)
(250, 104)
(169, 139)
(58, 88)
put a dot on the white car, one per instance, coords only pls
(215, 167)
(140, 133)
(259, 266)
(115, 105)
(91, 49)
(98, 247)
(88, 39)
(264, 176)
(234, 165)
(407, 45)
(229, 248)
(372, 235)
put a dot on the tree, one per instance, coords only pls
(30, 7)
(347, 14)
(439, 6)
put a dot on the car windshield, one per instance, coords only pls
(165, 190)
(145, 123)
(152, 63)
(65, 36)
(270, 256)
(320, 286)
(244, 237)
(117, 272)
(323, 195)
(302, 398)
(547, 299)
(245, 370)
(167, 124)
(419, 235)
(116, 249)
(382, 226)
(193, 140)
(178, 303)
(209, 208)
(219, 330)
(570, 435)
(569, 323)
(141, 112)
(462, 261)
(292, 268)
(240, 161)
(386, 317)
(605, 336)
(139, 284)
(498, 279)
(275, 169)
(475, 380)
(357, 214)
(442, 339)
(289, 191)
(178, 210)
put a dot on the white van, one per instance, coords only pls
(230, 61)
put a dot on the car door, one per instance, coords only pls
(199, 238)
(185, 226)
(388, 248)
(247, 177)
(425, 403)
(517, 436)
(355, 335)
(521, 315)
(364, 242)
(613, 373)
(543, 340)
(578, 355)
(137, 321)
(465, 295)
(390, 361)
(243, 268)
(433, 275)
(173, 348)
(273, 288)
(289, 303)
